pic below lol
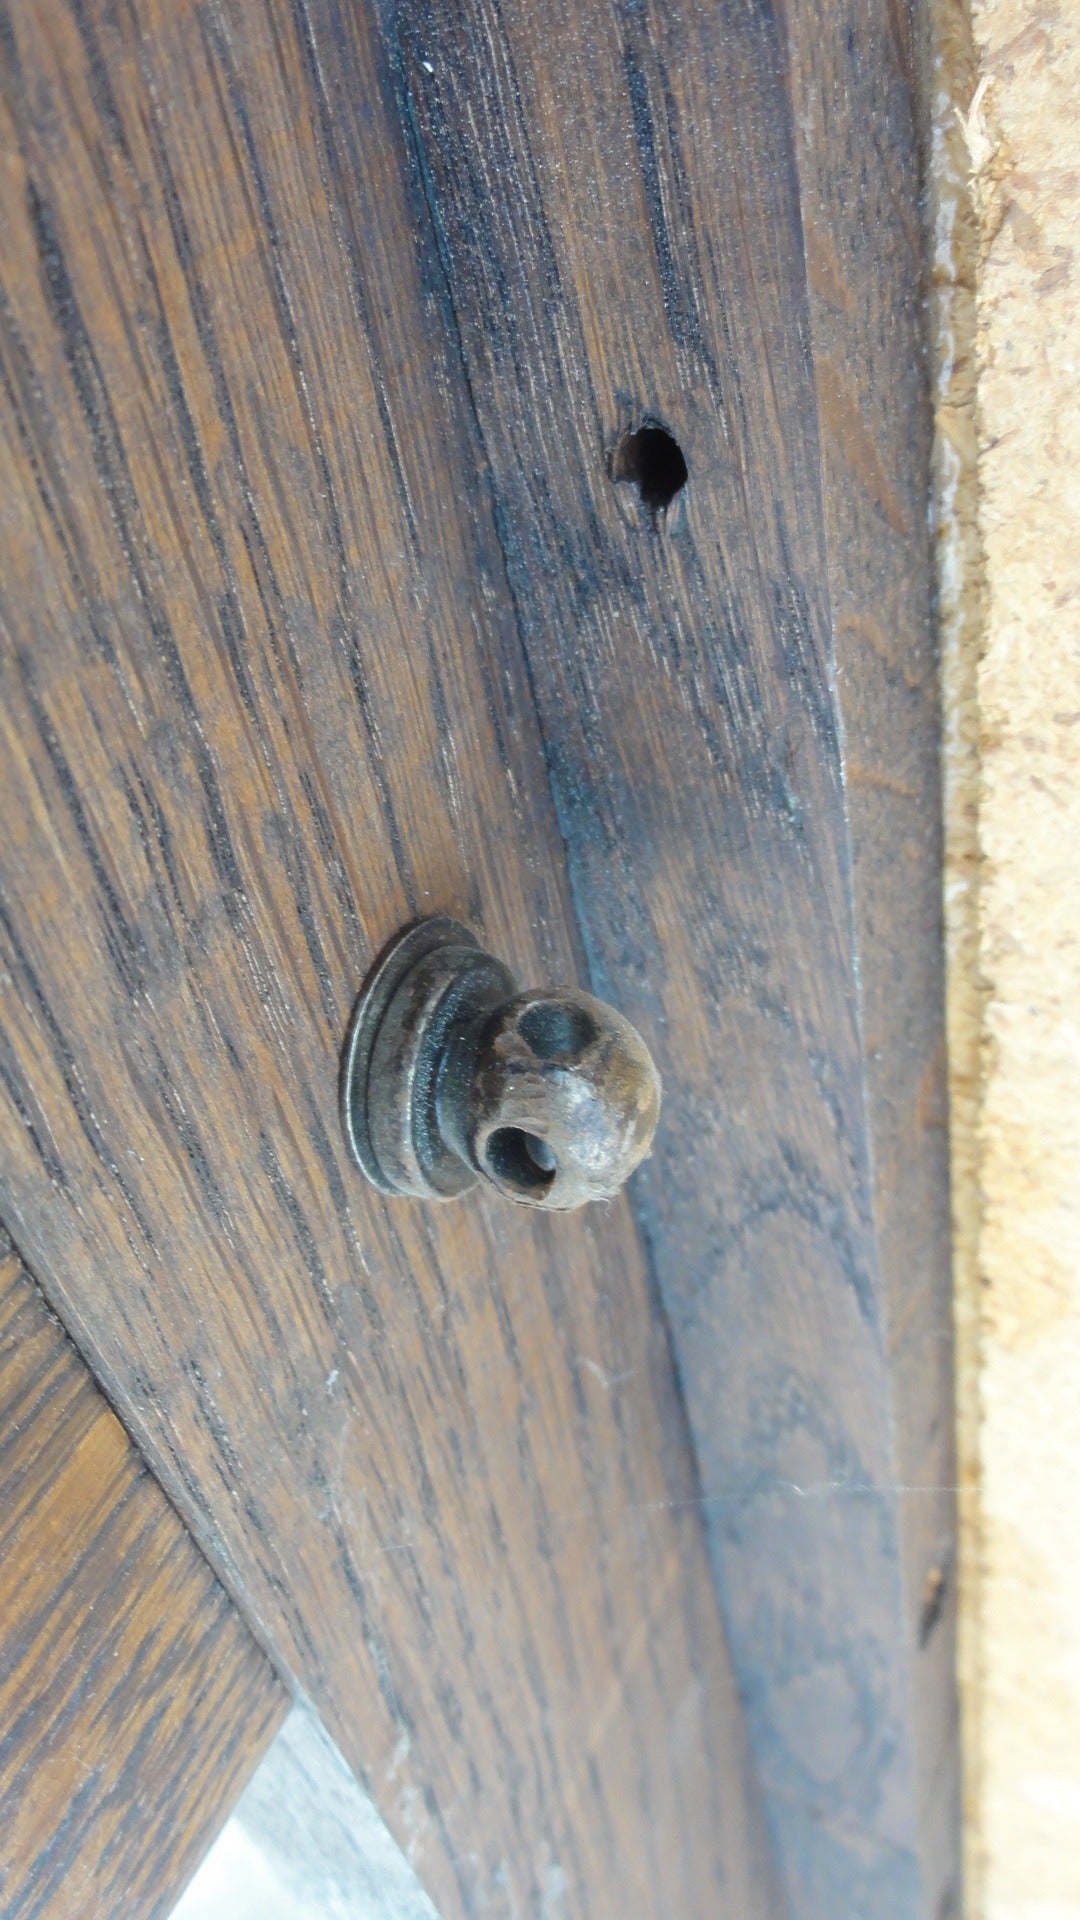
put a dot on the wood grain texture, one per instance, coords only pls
(624, 230)
(855, 91)
(263, 699)
(134, 1703)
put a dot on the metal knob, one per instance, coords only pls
(451, 1075)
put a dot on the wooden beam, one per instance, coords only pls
(856, 84)
(739, 709)
(134, 1704)
(263, 699)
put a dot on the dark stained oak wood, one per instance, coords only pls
(319, 328)
(624, 230)
(263, 699)
(854, 93)
(134, 1703)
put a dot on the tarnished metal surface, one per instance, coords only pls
(451, 1075)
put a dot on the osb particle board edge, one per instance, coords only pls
(1006, 231)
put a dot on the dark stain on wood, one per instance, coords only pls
(693, 690)
(264, 699)
(317, 329)
(854, 91)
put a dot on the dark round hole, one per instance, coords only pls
(652, 460)
(520, 1159)
(556, 1031)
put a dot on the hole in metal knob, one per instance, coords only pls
(450, 1076)
(556, 1029)
(521, 1159)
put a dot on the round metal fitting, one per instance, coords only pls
(450, 1075)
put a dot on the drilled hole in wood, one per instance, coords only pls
(520, 1159)
(651, 459)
